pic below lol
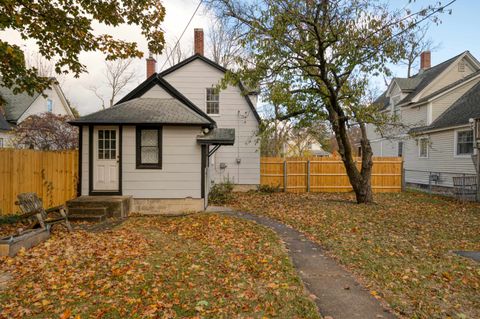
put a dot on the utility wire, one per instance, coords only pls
(189, 21)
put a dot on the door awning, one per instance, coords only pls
(218, 136)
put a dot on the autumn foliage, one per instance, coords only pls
(46, 132)
(200, 266)
(400, 248)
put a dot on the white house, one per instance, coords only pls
(170, 137)
(17, 107)
(435, 106)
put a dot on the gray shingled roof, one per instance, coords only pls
(3, 122)
(16, 104)
(383, 101)
(413, 85)
(448, 87)
(145, 111)
(425, 77)
(223, 136)
(465, 108)
(408, 84)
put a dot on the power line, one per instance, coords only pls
(189, 21)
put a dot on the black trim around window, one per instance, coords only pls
(138, 153)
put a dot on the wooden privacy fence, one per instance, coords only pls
(327, 174)
(52, 175)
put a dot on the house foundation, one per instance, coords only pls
(174, 206)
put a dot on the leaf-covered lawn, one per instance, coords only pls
(400, 247)
(199, 266)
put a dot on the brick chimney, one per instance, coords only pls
(151, 65)
(198, 40)
(425, 60)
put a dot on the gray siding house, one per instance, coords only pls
(169, 139)
(435, 106)
(17, 107)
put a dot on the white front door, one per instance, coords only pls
(105, 158)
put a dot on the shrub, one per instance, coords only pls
(268, 189)
(221, 193)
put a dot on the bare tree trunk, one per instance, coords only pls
(360, 180)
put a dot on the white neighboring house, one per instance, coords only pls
(436, 105)
(20, 106)
(169, 138)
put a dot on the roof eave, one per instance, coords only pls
(80, 123)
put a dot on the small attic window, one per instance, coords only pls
(461, 66)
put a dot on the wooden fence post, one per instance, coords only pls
(308, 176)
(285, 176)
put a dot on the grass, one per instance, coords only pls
(399, 247)
(199, 266)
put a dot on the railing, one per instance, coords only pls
(461, 185)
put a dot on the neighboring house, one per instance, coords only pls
(166, 141)
(434, 106)
(305, 147)
(317, 150)
(17, 107)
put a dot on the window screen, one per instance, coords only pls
(464, 142)
(149, 147)
(213, 101)
(423, 147)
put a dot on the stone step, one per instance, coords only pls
(87, 211)
(87, 217)
(115, 206)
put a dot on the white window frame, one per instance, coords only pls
(455, 144)
(50, 101)
(206, 102)
(420, 147)
(398, 148)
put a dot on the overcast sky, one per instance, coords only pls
(178, 12)
(457, 33)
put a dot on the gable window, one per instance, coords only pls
(463, 143)
(149, 147)
(423, 147)
(213, 101)
(400, 149)
(49, 105)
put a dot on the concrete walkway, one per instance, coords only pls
(337, 293)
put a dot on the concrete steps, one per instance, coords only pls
(90, 214)
(98, 208)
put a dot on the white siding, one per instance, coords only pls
(440, 159)
(157, 92)
(449, 77)
(180, 175)
(415, 116)
(192, 81)
(7, 138)
(445, 101)
(84, 188)
(385, 147)
(40, 105)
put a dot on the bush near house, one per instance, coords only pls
(221, 193)
(400, 247)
